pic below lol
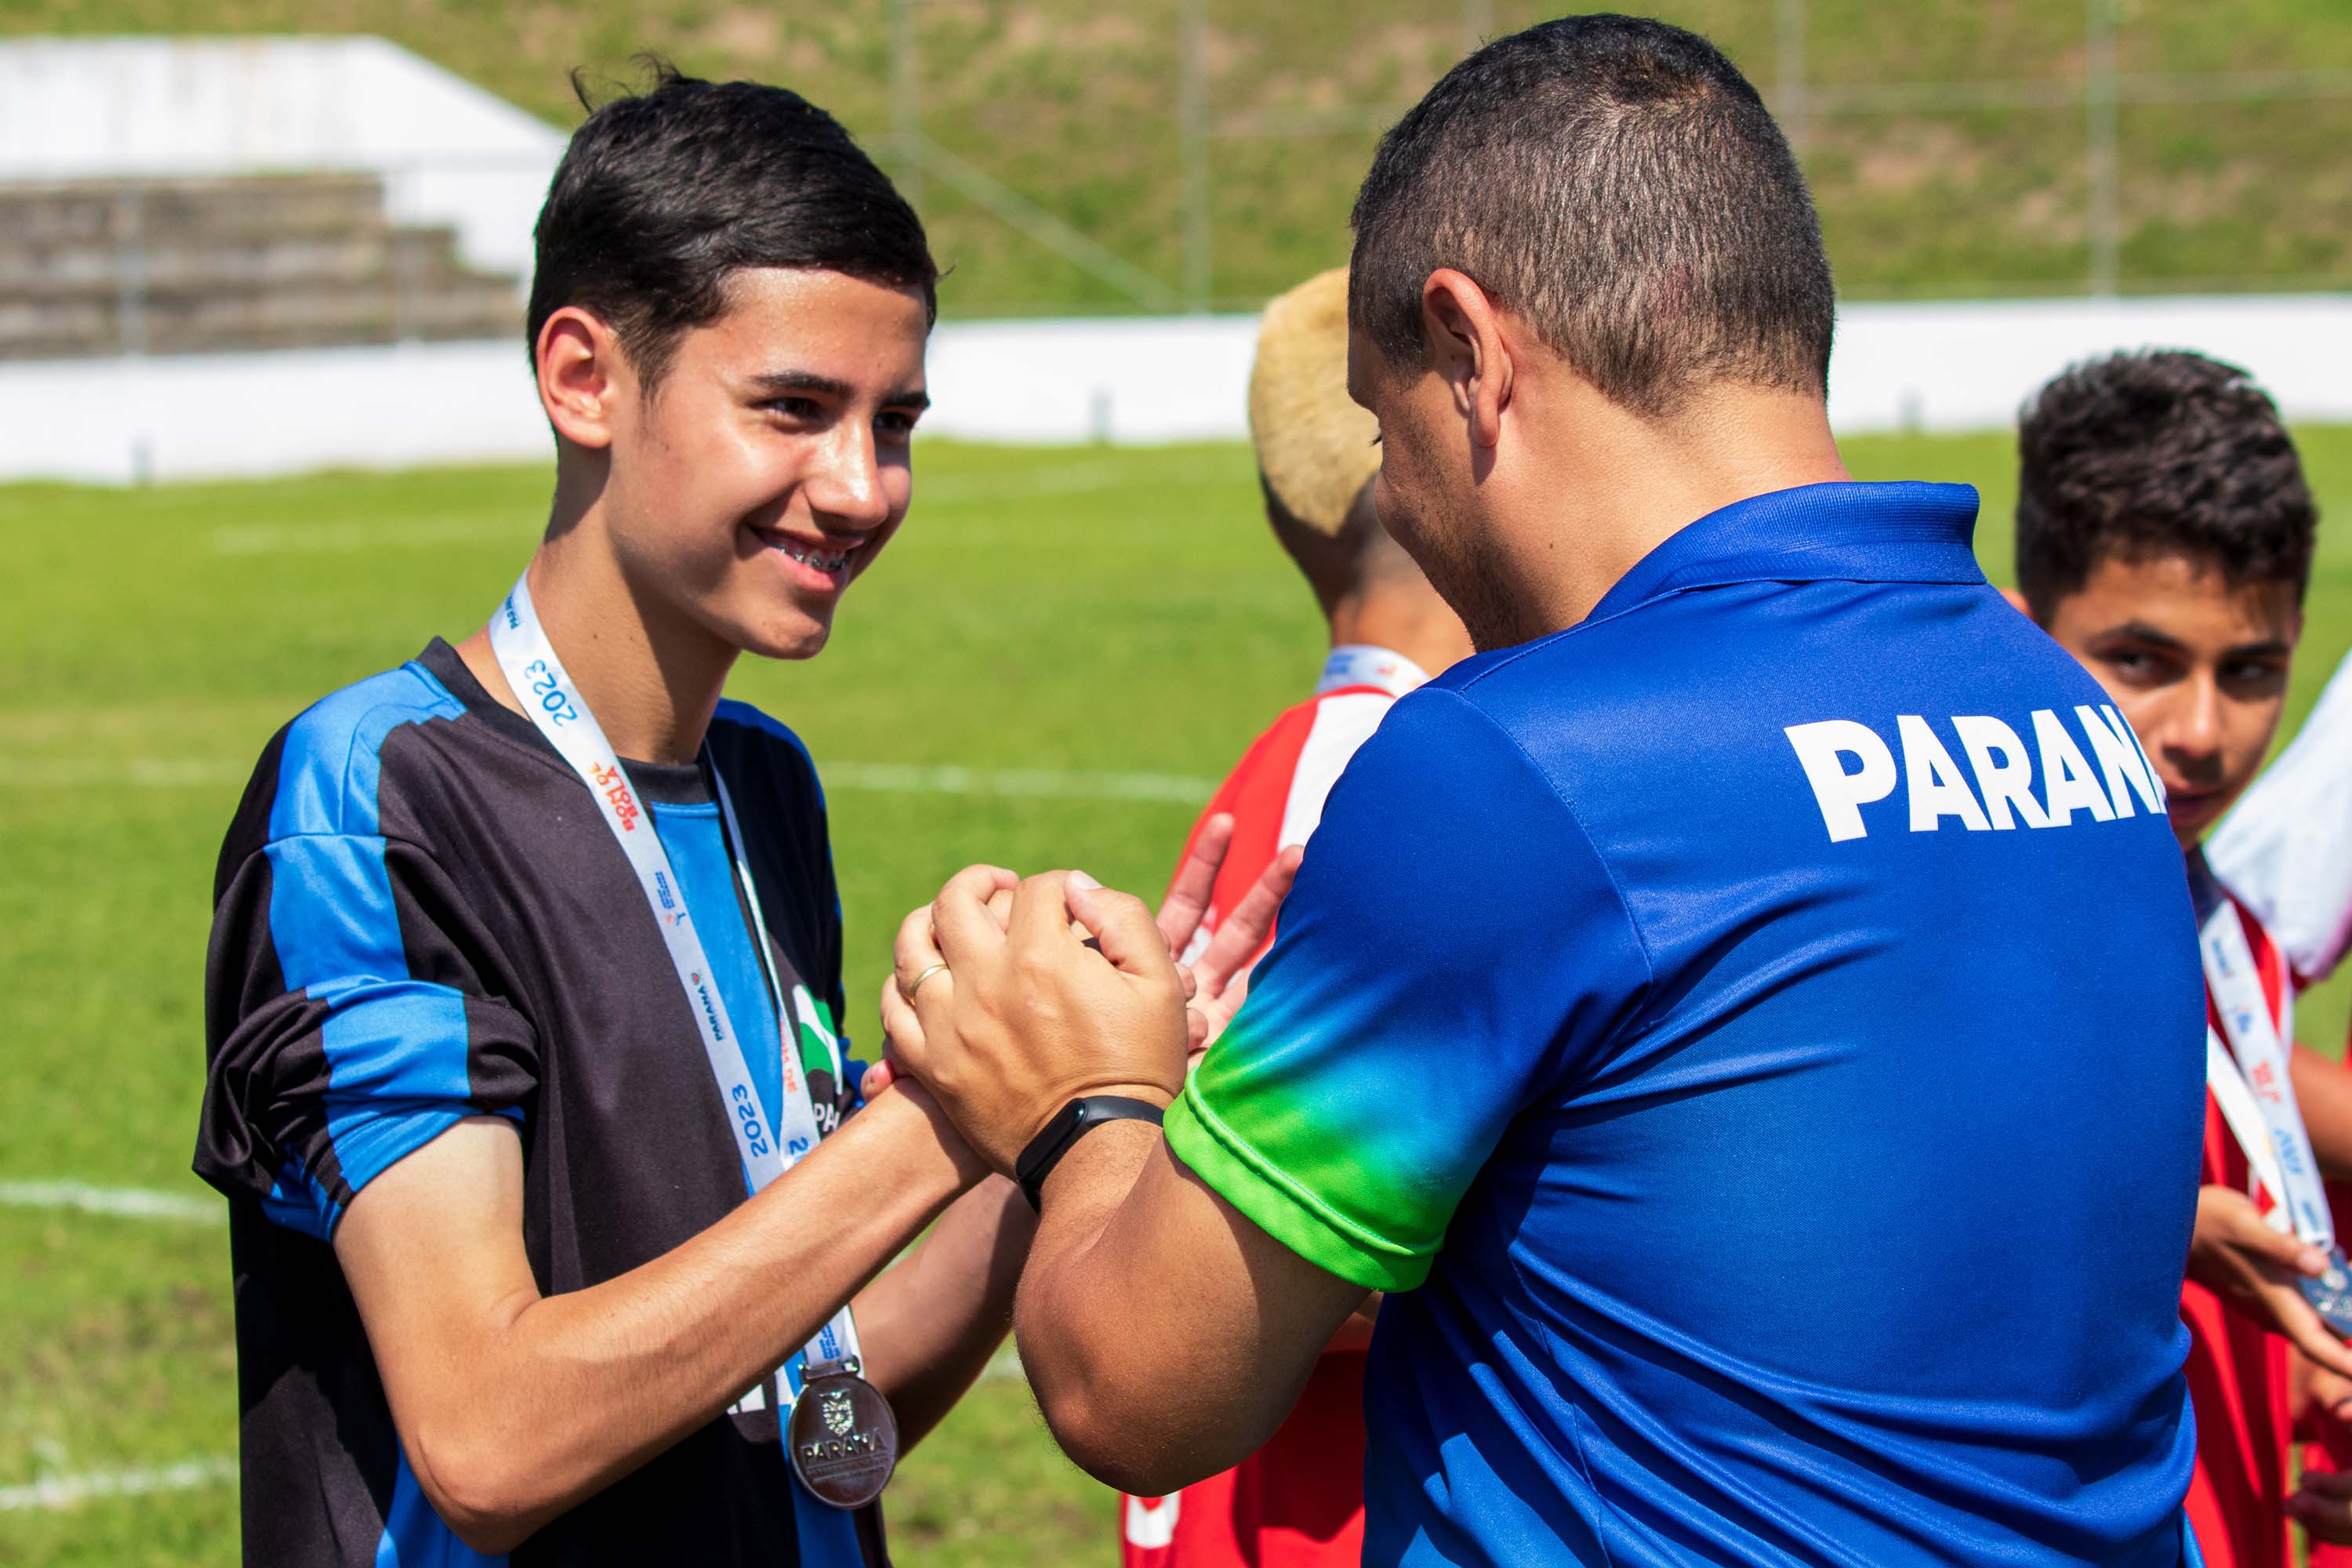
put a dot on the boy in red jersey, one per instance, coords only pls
(2163, 537)
(2286, 853)
(1299, 1502)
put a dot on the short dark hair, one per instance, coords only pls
(1618, 185)
(664, 195)
(2157, 452)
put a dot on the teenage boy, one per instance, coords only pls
(1689, 870)
(2163, 537)
(524, 995)
(1299, 1502)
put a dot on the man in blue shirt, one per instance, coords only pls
(1748, 1016)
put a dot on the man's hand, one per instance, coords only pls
(1025, 1016)
(2236, 1255)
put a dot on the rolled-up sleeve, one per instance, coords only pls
(350, 1025)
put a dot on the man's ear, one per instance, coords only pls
(2017, 602)
(1466, 351)
(581, 377)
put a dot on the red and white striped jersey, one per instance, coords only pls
(1276, 792)
(2237, 1370)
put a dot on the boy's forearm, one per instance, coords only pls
(516, 1414)
(2323, 1092)
(931, 1324)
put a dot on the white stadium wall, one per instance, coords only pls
(1935, 367)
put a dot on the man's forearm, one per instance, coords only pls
(510, 1421)
(1149, 1385)
(1069, 1329)
(930, 1325)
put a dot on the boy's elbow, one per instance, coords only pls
(480, 1488)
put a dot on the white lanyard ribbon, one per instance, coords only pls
(1362, 664)
(556, 706)
(2251, 1081)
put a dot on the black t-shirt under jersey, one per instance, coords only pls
(420, 915)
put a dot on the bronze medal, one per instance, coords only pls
(843, 1437)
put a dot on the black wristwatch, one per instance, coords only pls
(1072, 1122)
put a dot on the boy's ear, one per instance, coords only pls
(2017, 602)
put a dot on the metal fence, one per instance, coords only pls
(2073, 105)
(1173, 156)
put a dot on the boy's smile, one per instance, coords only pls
(2199, 667)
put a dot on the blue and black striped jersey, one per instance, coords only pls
(419, 916)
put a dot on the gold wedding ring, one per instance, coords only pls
(926, 974)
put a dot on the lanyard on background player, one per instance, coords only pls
(556, 706)
(1363, 664)
(2250, 1082)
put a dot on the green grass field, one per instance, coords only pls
(1076, 107)
(1089, 612)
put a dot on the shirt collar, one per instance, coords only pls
(1907, 532)
(1362, 664)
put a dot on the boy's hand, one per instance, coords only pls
(2325, 1395)
(1220, 975)
(2323, 1506)
(2235, 1254)
(1187, 903)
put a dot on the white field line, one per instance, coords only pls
(127, 1202)
(65, 1492)
(902, 779)
(888, 778)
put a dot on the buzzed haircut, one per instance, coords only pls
(665, 194)
(1618, 185)
(2158, 453)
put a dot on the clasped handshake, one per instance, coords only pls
(1013, 997)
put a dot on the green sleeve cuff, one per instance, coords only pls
(1279, 1206)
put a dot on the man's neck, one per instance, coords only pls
(1628, 485)
(650, 676)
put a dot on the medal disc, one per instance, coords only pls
(844, 1439)
(2330, 1294)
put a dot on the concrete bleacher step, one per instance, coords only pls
(230, 265)
(158, 208)
(351, 254)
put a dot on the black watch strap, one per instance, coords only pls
(1072, 1122)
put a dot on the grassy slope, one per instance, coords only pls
(1074, 105)
(1101, 611)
